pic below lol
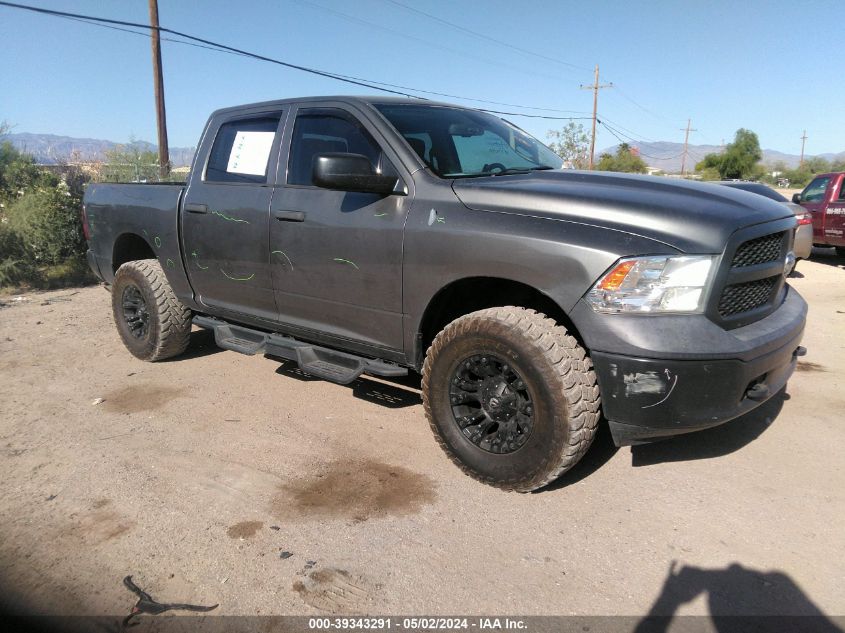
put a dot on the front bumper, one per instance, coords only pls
(650, 396)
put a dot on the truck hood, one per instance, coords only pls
(692, 217)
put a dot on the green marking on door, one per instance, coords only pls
(228, 276)
(346, 261)
(228, 218)
(170, 263)
(283, 254)
(157, 241)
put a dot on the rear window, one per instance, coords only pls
(241, 150)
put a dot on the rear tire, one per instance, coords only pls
(152, 322)
(511, 397)
(840, 250)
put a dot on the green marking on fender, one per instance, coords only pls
(170, 263)
(441, 220)
(283, 254)
(157, 241)
(346, 261)
(228, 218)
(379, 215)
(145, 231)
(228, 276)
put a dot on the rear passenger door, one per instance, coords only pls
(336, 256)
(225, 214)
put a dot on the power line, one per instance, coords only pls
(406, 35)
(619, 138)
(485, 37)
(359, 81)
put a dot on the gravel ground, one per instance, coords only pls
(222, 478)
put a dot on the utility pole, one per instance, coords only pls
(595, 88)
(803, 140)
(158, 85)
(686, 143)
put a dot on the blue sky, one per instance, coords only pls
(771, 66)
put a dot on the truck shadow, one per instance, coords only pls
(738, 599)
(827, 256)
(201, 344)
(714, 442)
(392, 393)
(600, 452)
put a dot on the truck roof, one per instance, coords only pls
(360, 100)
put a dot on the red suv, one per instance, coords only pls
(824, 198)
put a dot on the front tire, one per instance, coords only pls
(840, 250)
(511, 397)
(152, 322)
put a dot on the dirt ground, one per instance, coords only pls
(222, 478)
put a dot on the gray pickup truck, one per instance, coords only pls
(374, 235)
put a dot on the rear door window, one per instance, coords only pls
(241, 150)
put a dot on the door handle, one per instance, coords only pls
(290, 216)
(196, 208)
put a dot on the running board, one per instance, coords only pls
(322, 362)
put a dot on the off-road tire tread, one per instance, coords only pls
(174, 319)
(569, 370)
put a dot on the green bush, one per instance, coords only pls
(16, 264)
(48, 222)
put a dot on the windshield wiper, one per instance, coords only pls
(517, 170)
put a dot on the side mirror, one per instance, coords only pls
(796, 198)
(350, 172)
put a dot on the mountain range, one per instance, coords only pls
(49, 149)
(668, 156)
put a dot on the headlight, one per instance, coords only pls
(653, 284)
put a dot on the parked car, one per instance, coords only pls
(803, 247)
(824, 198)
(380, 236)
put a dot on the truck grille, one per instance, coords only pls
(751, 282)
(758, 251)
(739, 298)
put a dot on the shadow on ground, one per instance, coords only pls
(715, 442)
(393, 393)
(828, 256)
(600, 452)
(738, 599)
(201, 344)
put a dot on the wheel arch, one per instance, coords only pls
(130, 247)
(470, 294)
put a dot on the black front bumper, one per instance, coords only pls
(646, 398)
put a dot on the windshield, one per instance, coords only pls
(459, 143)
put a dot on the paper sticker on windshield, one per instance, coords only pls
(250, 152)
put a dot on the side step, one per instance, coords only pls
(322, 362)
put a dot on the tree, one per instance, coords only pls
(626, 159)
(739, 159)
(130, 163)
(572, 144)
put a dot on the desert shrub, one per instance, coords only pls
(48, 222)
(16, 264)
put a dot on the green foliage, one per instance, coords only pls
(18, 172)
(16, 263)
(625, 160)
(130, 163)
(739, 160)
(47, 221)
(572, 144)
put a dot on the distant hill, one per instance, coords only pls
(49, 149)
(668, 156)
